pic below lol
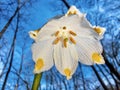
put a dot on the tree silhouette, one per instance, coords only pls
(16, 65)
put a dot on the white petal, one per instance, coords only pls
(44, 50)
(79, 25)
(85, 22)
(48, 30)
(65, 58)
(86, 47)
(74, 22)
(83, 28)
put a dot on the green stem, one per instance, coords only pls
(36, 82)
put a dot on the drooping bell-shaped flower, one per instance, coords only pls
(66, 40)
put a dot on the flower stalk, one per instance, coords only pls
(36, 82)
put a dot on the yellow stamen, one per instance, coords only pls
(65, 42)
(64, 27)
(72, 40)
(56, 34)
(96, 57)
(39, 64)
(56, 40)
(67, 72)
(98, 30)
(73, 33)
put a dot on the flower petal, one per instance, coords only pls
(66, 59)
(42, 55)
(48, 30)
(89, 51)
(75, 23)
(74, 11)
(79, 25)
(83, 28)
(84, 22)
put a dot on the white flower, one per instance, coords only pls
(65, 41)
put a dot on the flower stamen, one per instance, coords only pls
(56, 33)
(64, 27)
(72, 33)
(65, 42)
(64, 35)
(56, 40)
(72, 40)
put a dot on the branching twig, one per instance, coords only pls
(99, 78)
(12, 55)
(66, 4)
(82, 77)
(15, 72)
(105, 77)
(110, 66)
(11, 18)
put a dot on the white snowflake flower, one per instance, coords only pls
(65, 41)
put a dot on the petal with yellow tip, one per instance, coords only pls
(48, 31)
(42, 55)
(81, 27)
(73, 10)
(39, 64)
(86, 47)
(97, 58)
(99, 30)
(67, 73)
(66, 59)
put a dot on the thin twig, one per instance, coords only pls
(12, 55)
(11, 19)
(99, 78)
(66, 4)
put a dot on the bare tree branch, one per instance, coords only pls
(110, 66)
(66, 4)
(82, 77)
(99, 78)
(11, 18)
(26, 83)
(21, 63)
(12, 55)
(105, 77)
(117, 82)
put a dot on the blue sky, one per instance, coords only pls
(105, 13)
